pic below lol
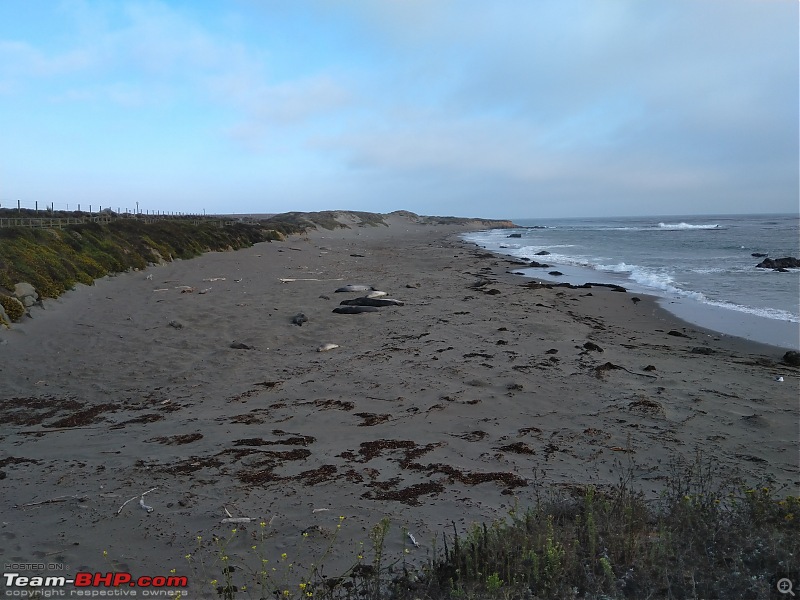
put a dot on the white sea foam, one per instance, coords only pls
(683, 225)
(661, 280)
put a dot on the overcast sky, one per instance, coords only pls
(501, 108)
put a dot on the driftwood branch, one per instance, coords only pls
(50, 501)
(141, 501)
(289, 280)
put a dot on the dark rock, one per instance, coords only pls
(758, 255)
(324, 297)
(781, 270)
(701, 350)
(593, 347)
(542, 253)
(792, 357)
(176, 324)
(649, 368)
(555, 273)
(677, 333)
(515, 235)
(788, 262)
(552, 351)
(636, 300)
(2, 474)
(533, 263)
(493, 292)
(357, 255)
(240, 346)
(299, 319)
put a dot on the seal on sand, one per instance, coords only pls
(355, 288)
(299, 319)
(354, 310)
(371, 302)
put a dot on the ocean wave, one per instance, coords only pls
(710, 270)
(683, 225)
(661, 280)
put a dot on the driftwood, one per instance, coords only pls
(141, 501)
(288, 280)
(50, 501)
(238, 520)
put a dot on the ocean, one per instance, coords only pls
(701, 267)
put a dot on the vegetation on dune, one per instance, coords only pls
(704, 537)
(299, 222)
(54, 260)
(14, 308)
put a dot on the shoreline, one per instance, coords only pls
(457, 406)
(658, 312)
(722, 320)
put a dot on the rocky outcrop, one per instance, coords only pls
(542, 253)
(26, 294)
(788, 262)
(515, 235)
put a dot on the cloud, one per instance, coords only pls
(442, 99)
(20, 59)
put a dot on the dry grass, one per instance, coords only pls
(704, 537)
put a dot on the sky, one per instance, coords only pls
(502, 109)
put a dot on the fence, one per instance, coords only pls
(28, 215)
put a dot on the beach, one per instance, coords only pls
(189, 381)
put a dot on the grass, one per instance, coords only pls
(704, 537)
(54, 260)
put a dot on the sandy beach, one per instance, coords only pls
(478, 393)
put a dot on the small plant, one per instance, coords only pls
(493, 583)
(13, 307)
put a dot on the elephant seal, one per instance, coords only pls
(354, 310)
(299, 319)
(326, 347)
(355, 288)
(371, 302)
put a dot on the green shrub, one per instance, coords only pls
(13, 307)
